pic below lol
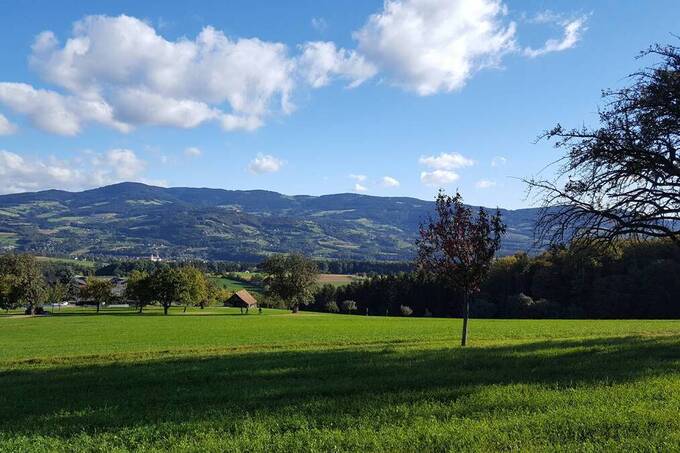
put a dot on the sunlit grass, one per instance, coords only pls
(215, 380)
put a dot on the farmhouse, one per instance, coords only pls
(242, 299)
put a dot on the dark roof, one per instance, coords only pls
(245, 297)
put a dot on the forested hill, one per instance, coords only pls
(132, 219)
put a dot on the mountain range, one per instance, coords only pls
(131, 220)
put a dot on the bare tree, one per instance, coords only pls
(622, 179)
(458, 249)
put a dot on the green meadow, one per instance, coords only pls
(215, 380)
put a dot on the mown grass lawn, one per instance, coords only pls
(213, 380)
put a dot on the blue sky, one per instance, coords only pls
(308, 97)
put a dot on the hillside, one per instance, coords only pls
(135, 220)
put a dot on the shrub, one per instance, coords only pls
(331, 307)
(406, 310)
(348, 306)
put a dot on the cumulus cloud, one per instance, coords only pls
(120, 72)
(20, 174)
(57, 113)
(438, 177)
(498, 161)
(442, 168)
(192, 151)
(572, 31)
(485, 184)
(321, 61)
(358, 178)
(446, 161)
(431, 46)
(124, 163)
(360, 188)
(265, 163)
(6, 127)
(388, 181)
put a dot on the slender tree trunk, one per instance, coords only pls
(466, 316)
(165, 309)
(140, 308)
(296, 308)
(98, 304)
(185, 308)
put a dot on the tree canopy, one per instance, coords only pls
(458, 248)
(21, 282)
(622, 178)
(292, 278)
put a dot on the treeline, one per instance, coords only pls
(364, 267)
(126, 267)
(26, 283)
(121, 268)
(631, 280)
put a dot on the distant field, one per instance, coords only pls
(50, 259)
(338, 279)
(235, 285)
(215, 380)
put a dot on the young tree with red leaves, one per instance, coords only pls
(458, 248)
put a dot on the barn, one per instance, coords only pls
(242, 299)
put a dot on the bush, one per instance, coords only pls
(331, 307)
(269, 301)
(348, 306)
(405, 310)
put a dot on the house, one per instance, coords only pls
(242, 299)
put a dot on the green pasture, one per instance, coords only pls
(216, 380)
(235, 285)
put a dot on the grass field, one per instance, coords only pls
(235, 285)
(51, 259)
(214, 380)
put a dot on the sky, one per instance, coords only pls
(394, 98)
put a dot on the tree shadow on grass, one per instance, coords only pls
(322, 386)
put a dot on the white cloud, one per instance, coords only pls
(192, 151)
(438, 177)
(431, 46)
(124, 163)
(321, 61)
(485, 184)
(498, 161)
(140, 107)
(442, 167)
(6, 127)
(265, 163)
(125, 66)
(446, 161)
(56, 113)
(388, 181)
(358, 178)
(572, 32)
(121, 73)
(19, 174)
(360, 188)
(319, 24)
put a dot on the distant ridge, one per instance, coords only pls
(132, 220)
